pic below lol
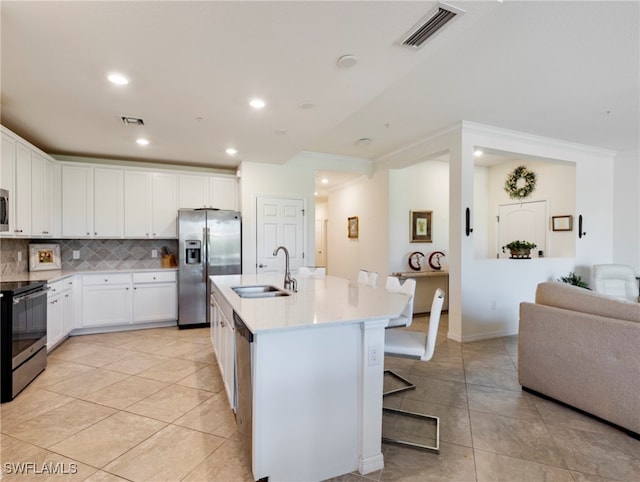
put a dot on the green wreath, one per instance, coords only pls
(521, 191)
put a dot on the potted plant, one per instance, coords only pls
(575, 280)
(519, 249)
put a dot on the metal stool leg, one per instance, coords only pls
(431, 448)
(408, 384)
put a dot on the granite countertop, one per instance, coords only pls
(319, 301)
(55, 275)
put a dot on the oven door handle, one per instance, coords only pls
(20, 299)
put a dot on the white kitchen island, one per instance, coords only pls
(317, 373)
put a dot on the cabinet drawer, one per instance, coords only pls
(55, 288)
(106, 279)
(155, 277)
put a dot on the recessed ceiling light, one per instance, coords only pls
(324, 180)
(477, 153)
(306, 105)
(281, 132)
(257, 103)
(364, 141)
(231, 151)
(347, 61)
(118, 79)
(142, 141)
(315, 193)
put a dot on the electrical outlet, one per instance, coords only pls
(76, 254)
(374, 355)
(154, 253)
(19, 256)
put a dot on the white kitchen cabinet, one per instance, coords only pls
(77, 201)
(106, 299)
(60, 311)
(193, 191)
(108, 208)
(223, 193)
(22, 192)
(223, 340)
(206, 191)
(164, 205)
(42, 200)
(137, 204)
(155, 296)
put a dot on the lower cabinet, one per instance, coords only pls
(125, 298)
(155, 297)
(106, 299)
(60, 311)
(224, 344)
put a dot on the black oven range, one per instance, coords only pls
(23, 335)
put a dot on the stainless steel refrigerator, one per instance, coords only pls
(209, 244)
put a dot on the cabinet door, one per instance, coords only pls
(165, 205)
(68, 312)
(108, 198)
(193, 192)
(223, 193)
(77, 201)
(8, 176)
(155, 302)
(55, 309)
(22, 192)
(106, 305)
(137, 204)
(41, 195)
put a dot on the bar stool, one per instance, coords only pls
(367, 277)
(418, 346)
(312, 272)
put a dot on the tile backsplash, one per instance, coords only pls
(95, 254)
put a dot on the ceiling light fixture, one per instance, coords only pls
(231, 151)
(306, 105)
(142, 142)
(347, 61)
(477, 153)
(257, 103)
(324, 180)
(117, 79)
(364, 141)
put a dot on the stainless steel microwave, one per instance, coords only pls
(4, 210)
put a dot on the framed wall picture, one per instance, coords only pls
(420, 226)
(352, 227)
(562, 223)
(44, 257)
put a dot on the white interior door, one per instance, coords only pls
(524, 222)
(280, 222)
(321, 242)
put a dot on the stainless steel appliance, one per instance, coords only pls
(4, 210)
(244, 417)
(209, 244)
(23, 335)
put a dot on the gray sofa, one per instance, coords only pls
(583, 349)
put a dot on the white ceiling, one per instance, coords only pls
(567, 70)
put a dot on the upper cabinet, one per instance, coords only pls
(68, 199)
(30, 176)
(213, 192)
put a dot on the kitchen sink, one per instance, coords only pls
(259, 291)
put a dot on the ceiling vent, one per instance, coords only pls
(132, 121)
(430, 24)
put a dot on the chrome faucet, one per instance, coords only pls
(289, 282)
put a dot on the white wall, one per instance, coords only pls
(368, 200)
(626, 213)
(257, 179)
(422, 187)
(555, 184)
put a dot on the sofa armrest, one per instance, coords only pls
(588, 361)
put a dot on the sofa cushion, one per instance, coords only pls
(569, 297)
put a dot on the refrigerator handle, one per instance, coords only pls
(205, 270)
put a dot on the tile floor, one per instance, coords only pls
(149, 406)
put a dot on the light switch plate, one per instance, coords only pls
(76, 254)
(154, 253)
